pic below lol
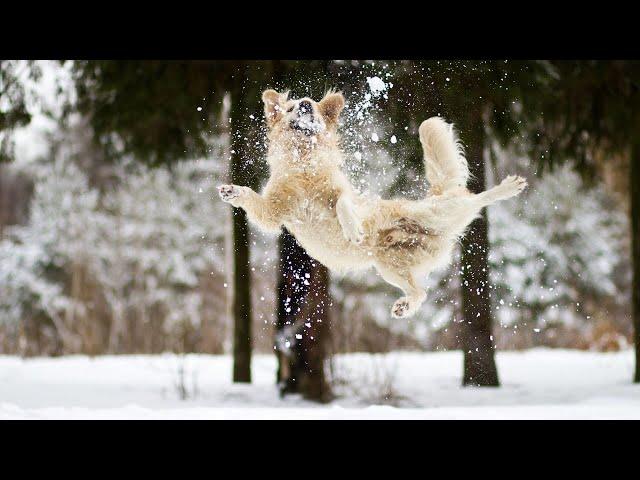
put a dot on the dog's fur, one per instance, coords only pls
(310, 195)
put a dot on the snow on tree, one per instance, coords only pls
(33, 256)
(554, 251)
(555, 255)
(146, 241)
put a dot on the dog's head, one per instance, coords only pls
(302, 119)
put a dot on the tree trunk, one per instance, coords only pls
(634, 185)
(477, 340)
(302, 327)
(241, 306)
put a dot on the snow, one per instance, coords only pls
(155, 213)
(537, 384)
(376, 85)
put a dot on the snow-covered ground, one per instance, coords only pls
(536, 384)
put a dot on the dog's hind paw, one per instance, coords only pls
(403, 308)
(512, 185)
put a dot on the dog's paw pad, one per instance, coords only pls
(401, 308)
(229, 192)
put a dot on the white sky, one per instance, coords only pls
(30, 141)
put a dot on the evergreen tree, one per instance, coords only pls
(146, 109)
(304, 299)
(589, 111)
(479, 97)
(14, 99)
(161, 112)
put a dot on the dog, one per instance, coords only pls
(310, 195)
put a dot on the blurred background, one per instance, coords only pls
(113, 239)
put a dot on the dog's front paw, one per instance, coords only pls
(354, 233)
(513, 185)
(230, 193)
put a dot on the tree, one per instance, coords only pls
(145, 109)
(304, 301)
(149, 107)
(477, 339)
(478, 96)
(303, 322)
(83, 256)
(558, 264)
(589, 111)
(14, 113)
(634, 179)
(14, 96)
(302, 325)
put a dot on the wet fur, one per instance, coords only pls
(309, 194)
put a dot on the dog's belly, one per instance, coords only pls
(393, 236)
(321, 236)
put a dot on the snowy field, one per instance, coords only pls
(537, 384)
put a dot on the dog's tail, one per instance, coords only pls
(445, 164)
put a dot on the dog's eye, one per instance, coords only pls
(290, 109)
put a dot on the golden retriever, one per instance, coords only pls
(310, 195)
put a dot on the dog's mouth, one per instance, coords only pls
(307, 125)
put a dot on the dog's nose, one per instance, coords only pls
(305, 107)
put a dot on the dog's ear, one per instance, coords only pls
(273, 105)
(331, 106)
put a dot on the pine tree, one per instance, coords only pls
(590, 110)
(303, 322)
(478, 97)
(148, 106)
(14, 110)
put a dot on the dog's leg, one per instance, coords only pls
(349, 220)
(414, 297)
(259, 210)
(509, 187)
(461, 211)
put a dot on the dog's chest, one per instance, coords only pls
(315, 202)
(313, 212)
